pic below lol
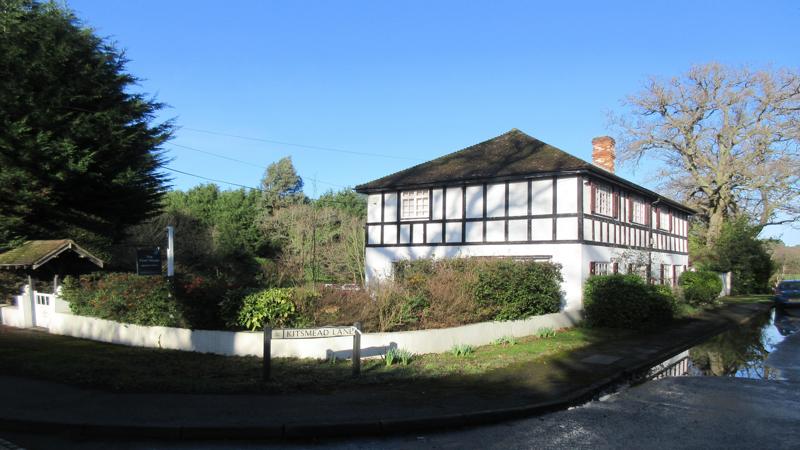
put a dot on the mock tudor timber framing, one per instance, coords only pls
(617, 230)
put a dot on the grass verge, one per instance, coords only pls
(132, 369)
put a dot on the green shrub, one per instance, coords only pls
(400, 355)
(231, 304)
(391, 356)
(199, 298)
(405, 356)
(625, 301)
(505, 340)
(545, 332)
(273, 306)
(123, 297)
(462, 350)
(518, 289)
(700, 288)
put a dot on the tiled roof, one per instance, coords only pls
(509, 155)
(513, 154)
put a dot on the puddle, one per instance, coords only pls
(740, 352)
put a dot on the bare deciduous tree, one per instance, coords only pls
(728, 139)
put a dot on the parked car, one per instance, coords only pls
(788, 292)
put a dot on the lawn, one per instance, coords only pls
(115, 367)
(687, 311)
(82, 362)
(752, 298)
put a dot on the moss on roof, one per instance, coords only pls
(511, 154)
(33, 254)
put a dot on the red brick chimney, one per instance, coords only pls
(603, 152)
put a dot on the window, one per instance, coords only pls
(639, 211)
(600, 268)
(663, 219)
(414, 204)
(603, 201)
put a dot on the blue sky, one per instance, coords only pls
(392, 84)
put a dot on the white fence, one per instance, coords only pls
(62, 322)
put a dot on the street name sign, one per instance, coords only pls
(313, 333)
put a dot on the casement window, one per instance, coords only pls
(638, 211)
(600, 268)
(414, 205)
(603, 201)
(664, 275)
(638, 269)
(663, 219)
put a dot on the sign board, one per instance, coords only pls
(313, 333)
(148, 261)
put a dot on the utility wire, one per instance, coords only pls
(212, 179)
(311, 147)
(247, 187)
(248, 163)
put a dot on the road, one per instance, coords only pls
(683, 412)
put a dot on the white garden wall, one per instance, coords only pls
(251, 343)
(10, 315)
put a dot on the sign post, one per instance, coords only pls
(312, 333)
(357, 349)
(267, 352)
(170, 251)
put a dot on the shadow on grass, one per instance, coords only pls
(494, 376)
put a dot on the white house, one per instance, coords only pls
(515, 196)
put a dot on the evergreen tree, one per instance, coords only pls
(79, 153)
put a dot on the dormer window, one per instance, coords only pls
(414, 205)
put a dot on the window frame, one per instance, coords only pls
(663, 219)
(601, 268)
(420, 199)
(638, 201)
(601, 190)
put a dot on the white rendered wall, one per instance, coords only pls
(518, 199)
(496, 200)
(251, 343)
(599, 253)
(374, 208)
(379, 261)
(11, 316)
(454, 199)
(474, 201)
(436, 202)
(390, 207)
(567, 195)
(542, 196)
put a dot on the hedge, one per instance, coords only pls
(701, 287)
(123, 297)
(625, 301)
(499, 289)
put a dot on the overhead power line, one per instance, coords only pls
(311, 147)
(247, 163)
(242, 185)
(212, 179)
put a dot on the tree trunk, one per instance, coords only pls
(715, 221)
